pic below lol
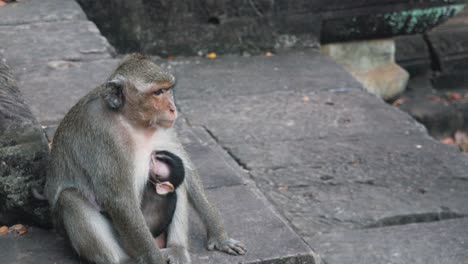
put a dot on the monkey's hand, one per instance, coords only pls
(228, 245)
(176, 255)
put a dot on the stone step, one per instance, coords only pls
(29, 45)
(426, 243)
(31, 11)
(245, 212)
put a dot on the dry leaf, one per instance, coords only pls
(447, 141)
(306, 99)
(283, 188)
(268, 54)
(436, 99)
(399, 102)
(211, 55)
(3, 230)
(2, 3)
(19, 229)
(455, 96)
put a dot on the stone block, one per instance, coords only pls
(426, 243)
(31, 11)
(52, 89)
(23, 157)
(372, 63)
(29, 45)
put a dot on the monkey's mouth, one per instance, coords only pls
(165, 123)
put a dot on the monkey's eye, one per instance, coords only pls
(159, 92)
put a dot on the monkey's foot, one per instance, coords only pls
(230, 246)
(176, 255)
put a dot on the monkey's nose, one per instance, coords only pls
(172, 109)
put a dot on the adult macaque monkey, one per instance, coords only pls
(100, 165)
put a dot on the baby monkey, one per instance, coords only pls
(159, 198)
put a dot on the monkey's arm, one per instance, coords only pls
(217, 236)
(118, 199)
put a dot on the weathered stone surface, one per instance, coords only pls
(412, 53)
(286, 116)
(23, 157)
(52, 89)
(450, 49)
(230, 75)
(386, 81)
(244, 210)
(37, 246)
(191, 27)
(440, 117)
(385, 19)
(27, 45)
(323, 186)
(361, 56)
(333, 160)
(450, 44)
(31, 11)
(248, 219)
(430, 243)
(215, 169)
(372, 63)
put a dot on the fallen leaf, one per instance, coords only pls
(212, 55)
(306, 99)
(283, 188)
(399, 101)
(447, 141)
(170, 58)
(436, 99)
(455, 96)
(3, 230)
(19, 229)
(268, 54)
(2, 3)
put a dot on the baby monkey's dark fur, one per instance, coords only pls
(159, 209)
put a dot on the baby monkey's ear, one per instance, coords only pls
(163, 188)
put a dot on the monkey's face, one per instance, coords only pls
(153, 107)
(162, 103)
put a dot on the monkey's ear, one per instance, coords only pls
(113, 95)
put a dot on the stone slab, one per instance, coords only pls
(233, 75)
(31, 11)
(449, 43)
(27, 45)
(280, 116)
(412, 53)
(428, 243)
(354, 182)
(37, 246)
(52, 89)
(215, 166)
(247, 218)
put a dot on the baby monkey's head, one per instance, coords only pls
(166, 171)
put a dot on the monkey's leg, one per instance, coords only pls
(177, 237)
(91, 233)
(217, 236)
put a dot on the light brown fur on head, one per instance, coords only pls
(148, 98)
